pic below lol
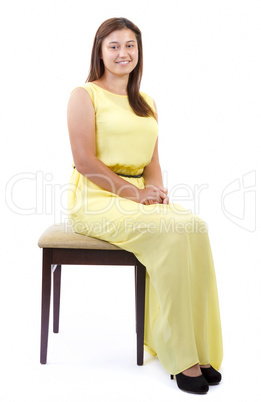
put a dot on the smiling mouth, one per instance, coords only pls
(123, 62)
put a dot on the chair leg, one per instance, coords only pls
(140, 310)
(136, 315)
(46, 295)
(56, 298)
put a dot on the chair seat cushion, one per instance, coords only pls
(63, 236)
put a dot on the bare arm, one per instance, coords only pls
(152, 172)
(81, 126)
(153, 176)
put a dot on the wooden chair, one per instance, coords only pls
(62, 246)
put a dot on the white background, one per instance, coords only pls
(202, 66)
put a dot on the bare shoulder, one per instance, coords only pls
(80, 101)
(154, 103)
(80, 94)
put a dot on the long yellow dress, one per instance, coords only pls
(182, 320)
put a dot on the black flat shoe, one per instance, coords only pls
(212, 376)
(193, 385)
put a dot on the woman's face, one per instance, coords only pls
(120, 52)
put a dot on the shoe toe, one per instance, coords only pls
(194, 385)
(212, 376)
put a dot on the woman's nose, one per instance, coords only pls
(123, 52)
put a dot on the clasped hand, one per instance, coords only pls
(152, 194)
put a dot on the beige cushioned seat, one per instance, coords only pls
(63, 236)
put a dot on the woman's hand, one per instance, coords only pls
(152, 194)
(166, 198)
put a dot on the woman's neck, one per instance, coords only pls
(114, 84)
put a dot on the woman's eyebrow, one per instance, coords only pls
(126, 41)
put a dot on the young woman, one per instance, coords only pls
(117, 195)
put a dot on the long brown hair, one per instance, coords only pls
(136, 101)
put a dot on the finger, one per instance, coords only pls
(153, 201)
(164, 189)
(163, 195)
